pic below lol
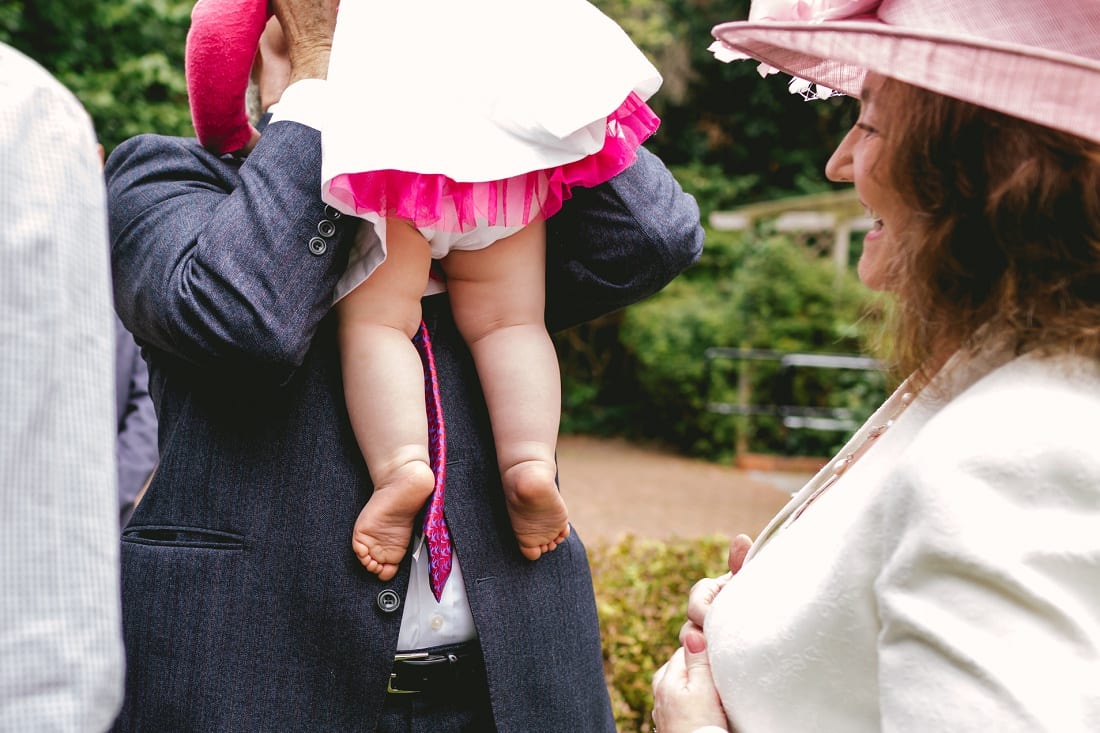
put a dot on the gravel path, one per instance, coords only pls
(613, 488)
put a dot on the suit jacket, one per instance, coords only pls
(244, 607)
(949, 581)
(136, 445)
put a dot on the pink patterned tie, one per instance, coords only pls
(435, 528)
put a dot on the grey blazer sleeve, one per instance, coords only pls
(221, 263)
(617, 243)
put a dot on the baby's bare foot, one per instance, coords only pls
(539, 517)
(384, 527)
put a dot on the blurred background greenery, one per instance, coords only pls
(732, 140)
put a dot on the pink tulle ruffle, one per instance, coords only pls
(437, 202)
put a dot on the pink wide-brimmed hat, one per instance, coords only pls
(1038, 60)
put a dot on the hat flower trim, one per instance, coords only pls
(810, 11)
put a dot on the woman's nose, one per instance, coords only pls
(839, 167)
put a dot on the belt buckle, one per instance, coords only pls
(393, 675)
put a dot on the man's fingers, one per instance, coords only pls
(308, 26)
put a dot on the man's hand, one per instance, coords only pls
(307, 27)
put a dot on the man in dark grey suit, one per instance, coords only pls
(245, 608)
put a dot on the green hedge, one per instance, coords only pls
(764, 292)
(641, 593)
(643, 373)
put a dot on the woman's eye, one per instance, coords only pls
(868, 129)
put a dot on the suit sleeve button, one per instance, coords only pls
(389, 601)
(332, 213)
(326, 228)
(318, 246)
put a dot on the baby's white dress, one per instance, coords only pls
(473, 118)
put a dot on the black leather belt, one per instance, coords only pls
(441, 669)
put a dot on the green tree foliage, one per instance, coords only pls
(122, 58)
(750, 292)
(644, 372)
(724, 117)
(733, 139)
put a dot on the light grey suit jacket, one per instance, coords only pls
(60, 640)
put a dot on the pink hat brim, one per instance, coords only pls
(1060, 91)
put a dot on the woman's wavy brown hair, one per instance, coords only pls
(1005, 241)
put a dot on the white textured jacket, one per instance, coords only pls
(949, 581)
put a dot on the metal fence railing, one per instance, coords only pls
(777, 397)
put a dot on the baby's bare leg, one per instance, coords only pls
(498, 295)
(384, 389)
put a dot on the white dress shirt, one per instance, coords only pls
(60, 629)
(424, 622)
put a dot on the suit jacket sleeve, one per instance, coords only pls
(221, 263)
(617, 243)
(137, 420)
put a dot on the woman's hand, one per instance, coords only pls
(684, 697)
(706, 590)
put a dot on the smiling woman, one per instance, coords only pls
(987, 224)
(856, 160)
(963, 513)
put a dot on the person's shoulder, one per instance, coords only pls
(22, 75)
(1062, 389)
(142, 154)
(1031, 410)
(23, 81)
(1020, 441)
(160, 144)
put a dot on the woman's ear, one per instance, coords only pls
(221, 46)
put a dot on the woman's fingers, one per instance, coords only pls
(706, 590)
(684, 698)
(702, 596)
(739, 548)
